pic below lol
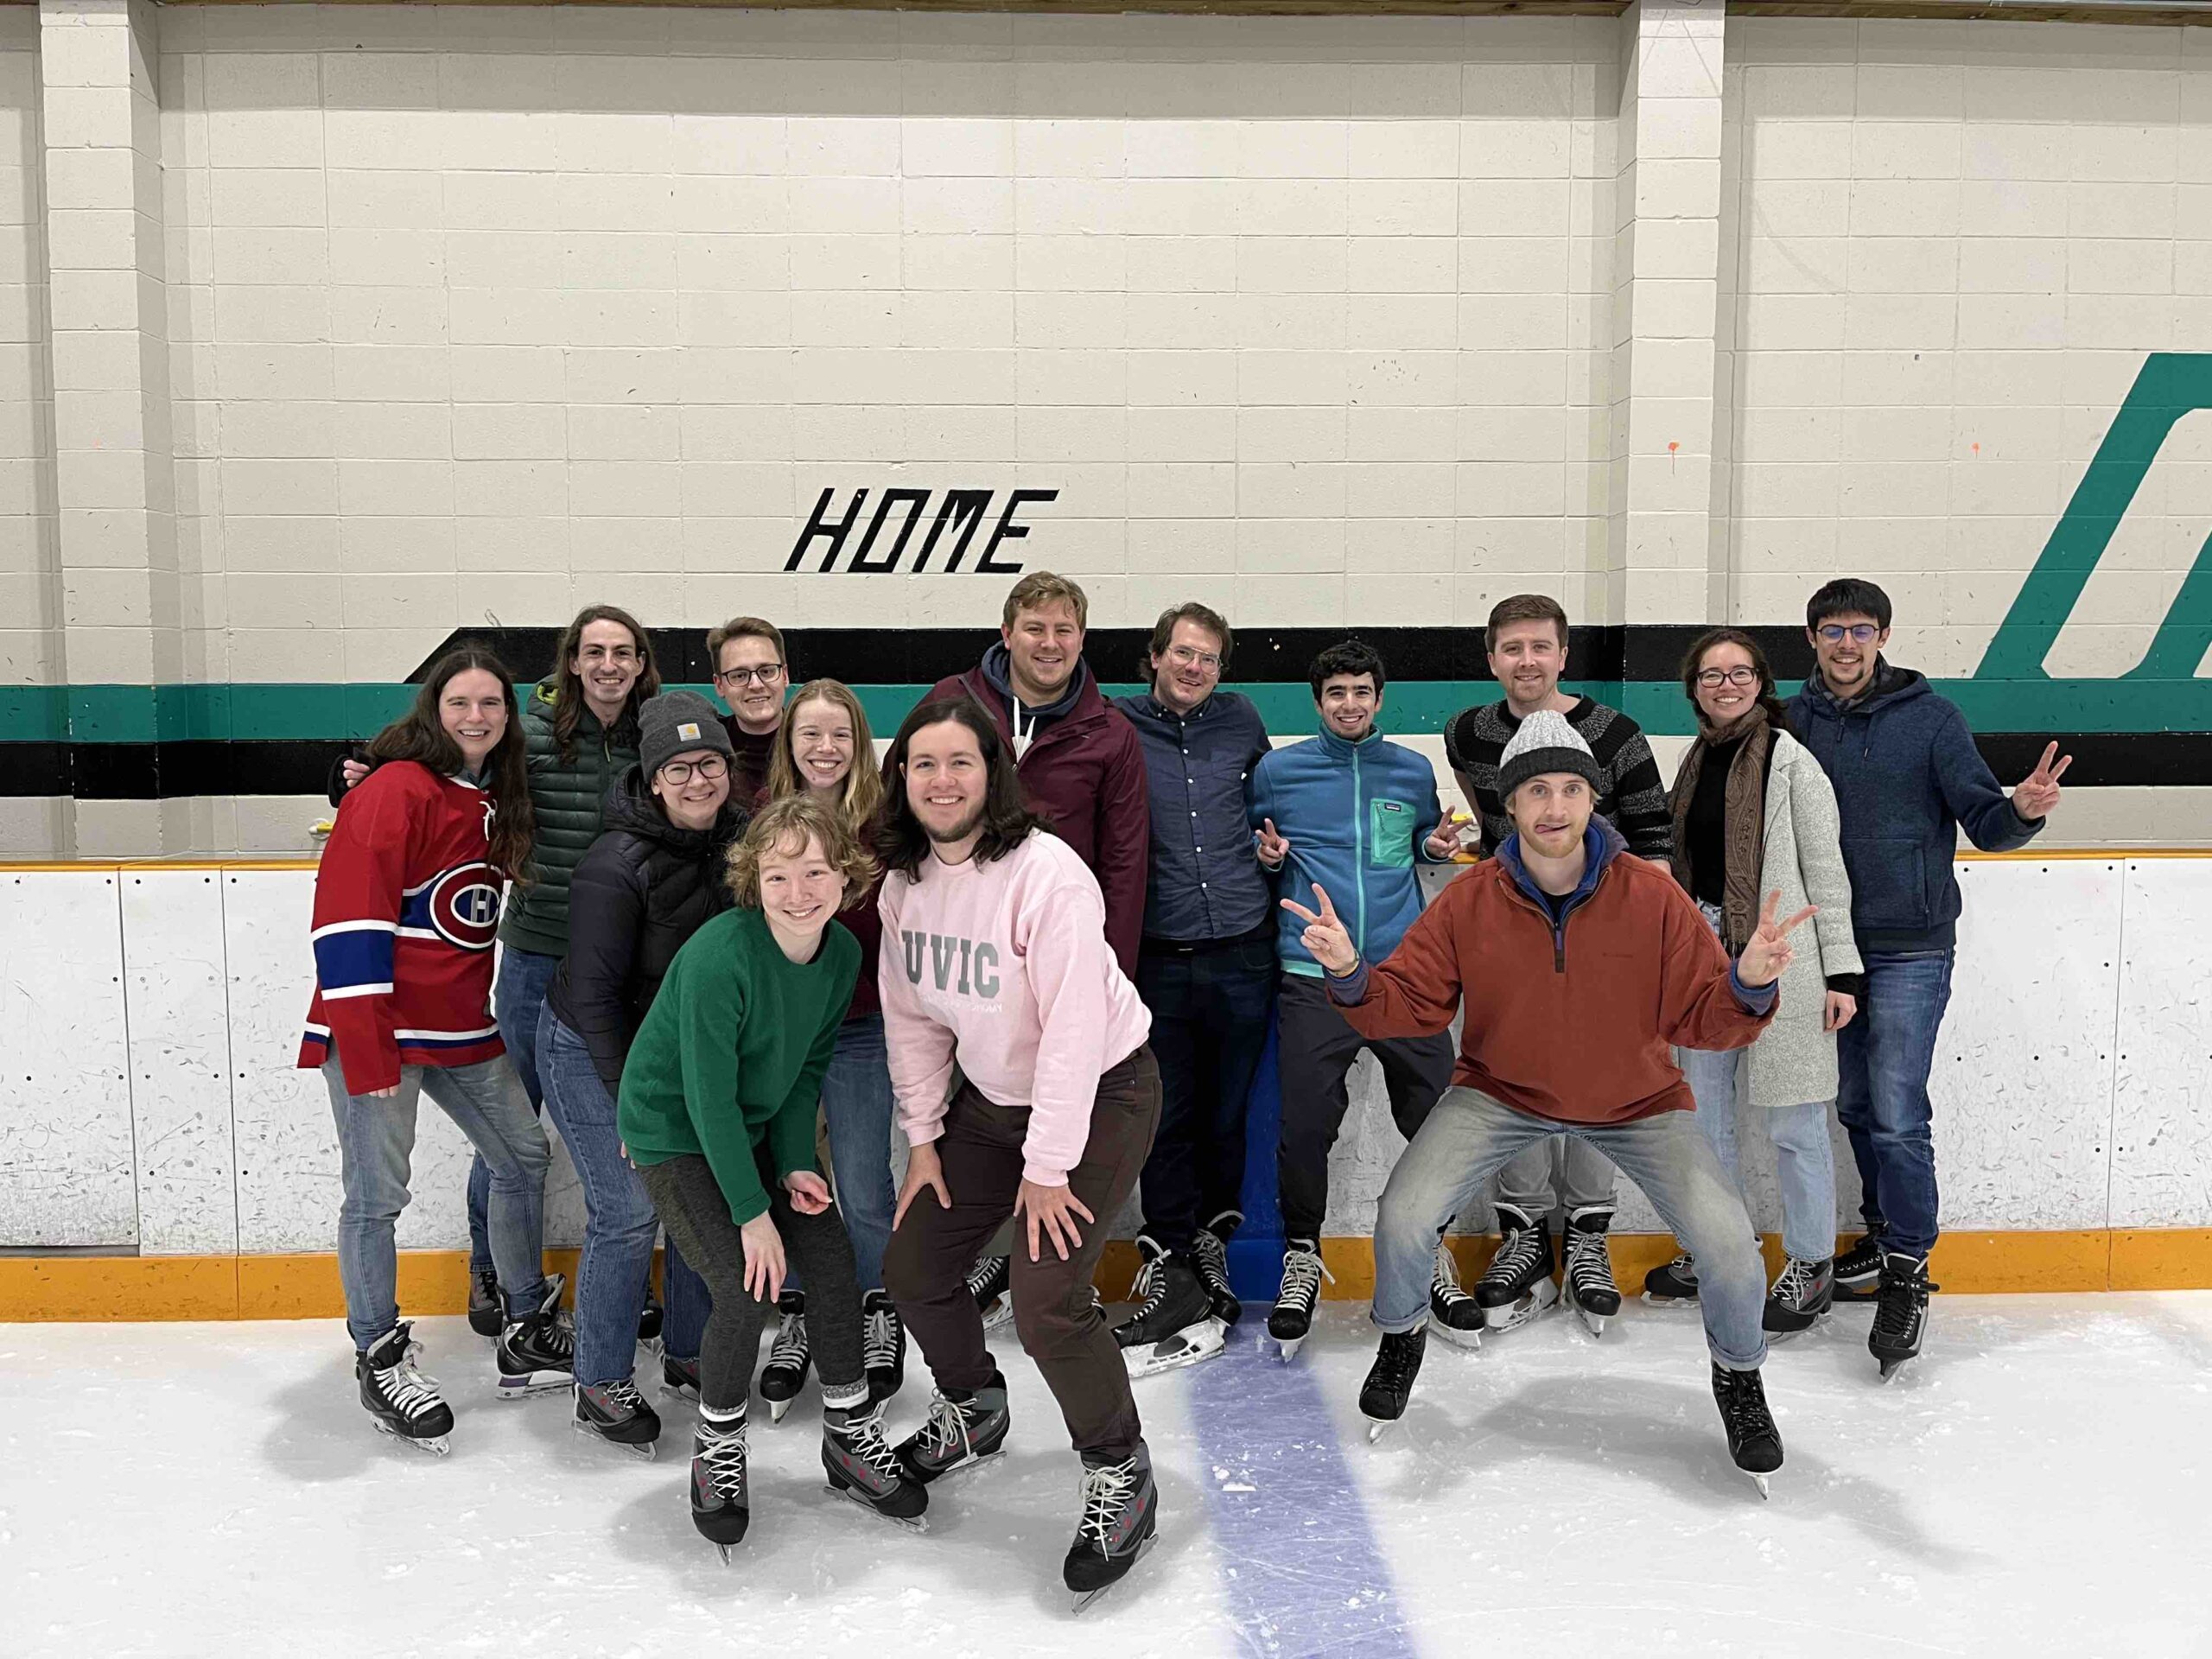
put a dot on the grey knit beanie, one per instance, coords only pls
(1544, 742)
(676, 721)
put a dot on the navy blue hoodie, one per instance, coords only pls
(1907, 778)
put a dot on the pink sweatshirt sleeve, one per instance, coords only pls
(920, 1049)
(1067, 960)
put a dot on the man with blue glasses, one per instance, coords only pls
(1908, 778)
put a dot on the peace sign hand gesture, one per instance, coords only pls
(1326, 937)
(2037, 793)
(1769, 952)
(1272, 846)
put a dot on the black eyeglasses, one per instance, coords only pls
(767, 674)
(1860, 633)
(1742, 674)
(680, 772)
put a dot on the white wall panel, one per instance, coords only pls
(176, 999)
(65, 1153)
(2162, 1109)
(288, 1185)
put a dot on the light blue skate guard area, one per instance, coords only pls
(2032, 1486)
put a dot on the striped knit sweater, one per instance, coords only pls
(1631, 795)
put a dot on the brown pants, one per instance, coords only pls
(1060, 1324)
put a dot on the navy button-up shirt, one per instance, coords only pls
(1206, 883)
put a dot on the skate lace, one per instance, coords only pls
(1897, 1303)
(1743, 1405)
(1211, 1255)
(1302, 1274)
(1446, 1284)
(1398, 1362)
(1796, 1281)
(1587, 1264)
(403, 1384)
(880, 1343)
(1150, 1286)
(1515, 1256)
(983, 1277)
(723, 1453)
(949, 1425)
(790, 1346)
(864, 1439)
(622, 1396)
(1107, 1491)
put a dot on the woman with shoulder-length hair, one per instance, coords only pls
(1000, 967)
(406, 904)
(1755, 814)
(824, 752)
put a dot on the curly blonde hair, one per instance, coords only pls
(785, 826)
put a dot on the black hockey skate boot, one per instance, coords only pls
(1753, 1440)
(1456, 1316)
(486, 1317)
(1901, 1311)
(1673, 1284)
(1858, 1271)
(990, 1282)
(883, 1345)
(1587, 1280)
(618, 1413)
(1293, 1317)
(537, 1350)
(789, 1357)
(862, 1464)
(650, 1319)
(1389, 1383)
(1210, 1255)
(1801, 1295)
(961, 1431)
(721, 1506)
(679, 1377)
(1517, 1285)
(1175, 1324)
(1121, 1513)
(402, 1402)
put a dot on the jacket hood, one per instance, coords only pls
(1891, 686)
(1082, 696)
(1601, 844)
(632, 809)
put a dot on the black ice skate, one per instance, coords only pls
(1517, 1285)
(1210, 1255)
(679, 1377)
(1900, 1313)
(618, 1413)
(721, 1507)
(486, 1317)
(1753, 1440)
(1858, 1271)
(789, 1357)
(990, 1282)
(650, 1319)
(1456, 1316)
(883, 1346)
(1389, 1383)
(1293, 1317)
(402, 1402)
(1174, 1323)
(1121, 1513)
(961, 1431)
(1673, 1285)
(862, 1466)
(1587, 1282)
(1801, 1295)
(537, 1350)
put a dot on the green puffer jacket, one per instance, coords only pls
(569, 796)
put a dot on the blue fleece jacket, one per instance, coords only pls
(1908, 778)
(1356, 814)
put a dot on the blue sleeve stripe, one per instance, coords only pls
(359, 957)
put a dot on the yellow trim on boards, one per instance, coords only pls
(36, 1288)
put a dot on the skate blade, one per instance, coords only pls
(1186, 1347)
(778, 1409)
(1285, 1348)
(437, 1446)
(1760, 1481)
(1511, 1316)
(1890, 1368)
(1593, 1323)
(641, 1449)
(1471, 1339)
(1377, 1428)
(916, 1524)
(1651, 1300)
(725, 1549)
(1085, 1598)
(533, 1383)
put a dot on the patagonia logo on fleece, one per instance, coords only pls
(953, 964)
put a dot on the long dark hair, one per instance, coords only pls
(569, 686)
(1776, 715)
(901, 843)
(420, 735)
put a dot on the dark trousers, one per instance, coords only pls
(1315, 1054)
(1209, 1025)
(1055, 1314)
(691, 1207)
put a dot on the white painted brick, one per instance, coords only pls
(1798, 149)
(409, 431)
(1404, 150)
(746, 319)
(2120, 154)
(2012, 208)
(602, 318)
(504, 258)
(614, 143)
(259, 370)
(381, 487)
(302, 487)
(269, 196)
(395, 546)
(496, 489)
(2105, 266)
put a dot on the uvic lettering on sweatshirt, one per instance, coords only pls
(1004, 967)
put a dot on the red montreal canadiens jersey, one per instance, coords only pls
(405, 911)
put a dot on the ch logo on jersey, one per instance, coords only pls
(460, 906)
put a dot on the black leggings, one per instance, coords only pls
(691, 1207)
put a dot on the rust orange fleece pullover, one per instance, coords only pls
(1572, 1023)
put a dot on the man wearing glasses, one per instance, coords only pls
(752, 675)
(1908, 778)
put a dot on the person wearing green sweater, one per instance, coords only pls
(719, 1097)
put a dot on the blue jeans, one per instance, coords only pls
(517, 996)
(1469, 1136)
(857, 1104)
(1885, 1056)
(376, 1145)
(1804, 1162)
(619, 1221)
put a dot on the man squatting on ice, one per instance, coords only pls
(1558, 925)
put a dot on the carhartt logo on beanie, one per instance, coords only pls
(1544, 742)
(672, 723)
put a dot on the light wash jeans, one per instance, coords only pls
(518, 1001)
(375, 1144)
(857, 1105)
(619, 1221)
(1470, 1136)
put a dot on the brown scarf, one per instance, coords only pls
(1743, 819)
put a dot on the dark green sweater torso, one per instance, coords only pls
(569, 798)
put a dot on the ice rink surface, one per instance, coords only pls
(2035, 1485)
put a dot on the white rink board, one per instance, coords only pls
(2039, 1117)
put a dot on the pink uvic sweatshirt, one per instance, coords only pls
(1004, 966)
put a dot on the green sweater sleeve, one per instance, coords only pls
(710, 1008)
(791, 1132)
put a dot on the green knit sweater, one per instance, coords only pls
(728, 1063)
(569, 798)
